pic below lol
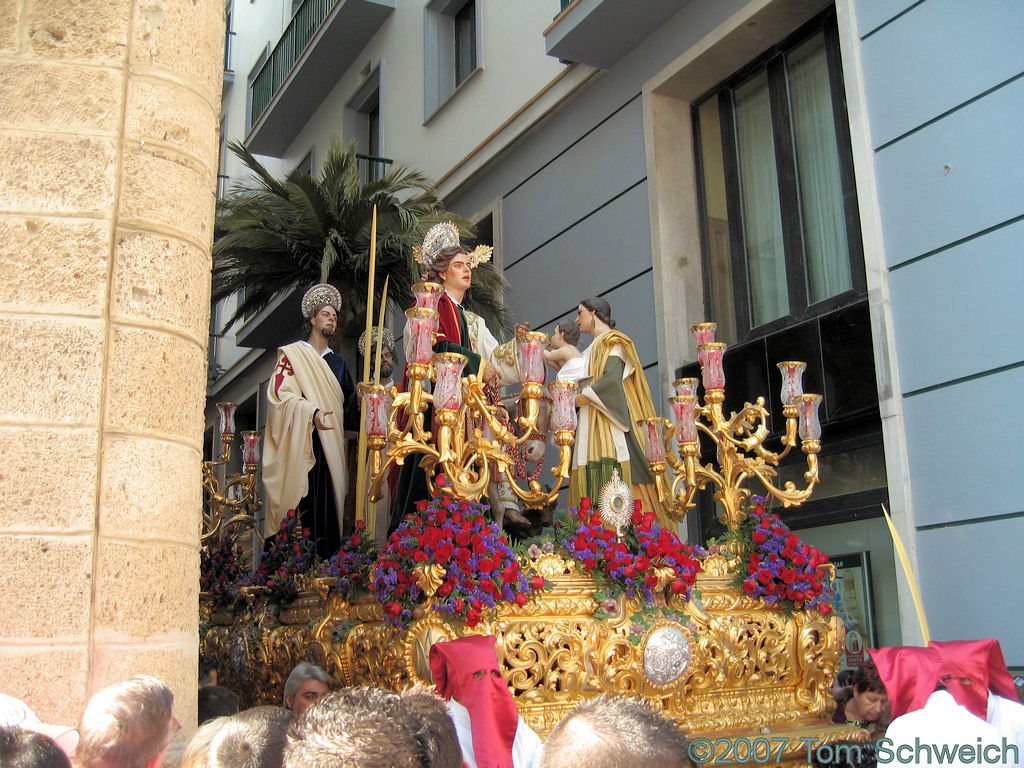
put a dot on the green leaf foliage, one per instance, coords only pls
(274, 235)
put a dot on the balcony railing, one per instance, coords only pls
(371, 167)
(293, 42)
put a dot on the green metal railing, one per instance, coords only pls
(293, 42)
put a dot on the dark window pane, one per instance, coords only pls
(716, 220)
(465, 42)
(821, 196)
(759, 192)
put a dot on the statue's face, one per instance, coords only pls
(585, 319)
(458, 276)
(325, 321)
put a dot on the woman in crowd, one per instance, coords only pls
(865, 702)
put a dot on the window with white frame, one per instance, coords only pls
(451, 49)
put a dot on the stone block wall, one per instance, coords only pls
(109, 112)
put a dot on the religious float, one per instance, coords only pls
(737, 641)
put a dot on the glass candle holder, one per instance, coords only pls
(563, 405)
(704, 333)
(713, 370)
(378, 402)
(250, 447)
(427, 294)
(226, 418)
(807, 409)
(685, 387)
(419, 347)
(684, 409)
(448, 380)
(530, 354)
(792, 380)
(654, 432)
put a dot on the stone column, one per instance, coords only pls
(109, 115)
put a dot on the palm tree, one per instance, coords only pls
(275, 235)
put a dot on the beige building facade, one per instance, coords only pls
(108, 149)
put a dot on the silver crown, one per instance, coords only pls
(389, 340)
(318, 296)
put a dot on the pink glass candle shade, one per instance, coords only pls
(378, 402)
(810, 424)
(250, 447)
(684, 412)
(712, 368)
(563, 405)
(448, 380)
(654, 431)
(792, 380)
(530, 353)
(226, 420)
(685, 387)
(422, 323)
(427, 294)
(704, 333)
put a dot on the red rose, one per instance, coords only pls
(765, 523)
(643, 563)
(419, 556)
(445, 589)
(459, 604)
(393, 609)
(764, 576)
(521, 599)
(356, 539)
(360, 525)
(305, 532)
(758, 537)
(585, 504)
(589, 563)
(749, 587)
(629, 572)
(537, 582)
(487, 585)
(472, 617)
(291, 513)
(679, 587)
(825, 609)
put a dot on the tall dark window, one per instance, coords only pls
(783, 262)
(781, 230)
(465, 42)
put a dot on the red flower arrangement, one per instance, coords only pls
(628, 564)
(290, 553)
(480, 568)
(782, 569)
(352, 564)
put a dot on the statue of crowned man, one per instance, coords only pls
(311, 401)
(446, 261)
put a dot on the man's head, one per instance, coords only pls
(254, 738)
(27, 749)
(304, 687)
(215, 701)
(387, 347)
(452, 269)
(440, 740)
(611, 732)
(127, 725)
(207, 672)
(320, 307)
(355, 727)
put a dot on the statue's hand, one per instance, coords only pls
(319, 420)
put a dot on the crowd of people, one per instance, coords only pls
(945, 696)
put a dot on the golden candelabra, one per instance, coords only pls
(237, 500)
(739, 439)
(468, 440)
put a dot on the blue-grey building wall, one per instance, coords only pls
(944, 85)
